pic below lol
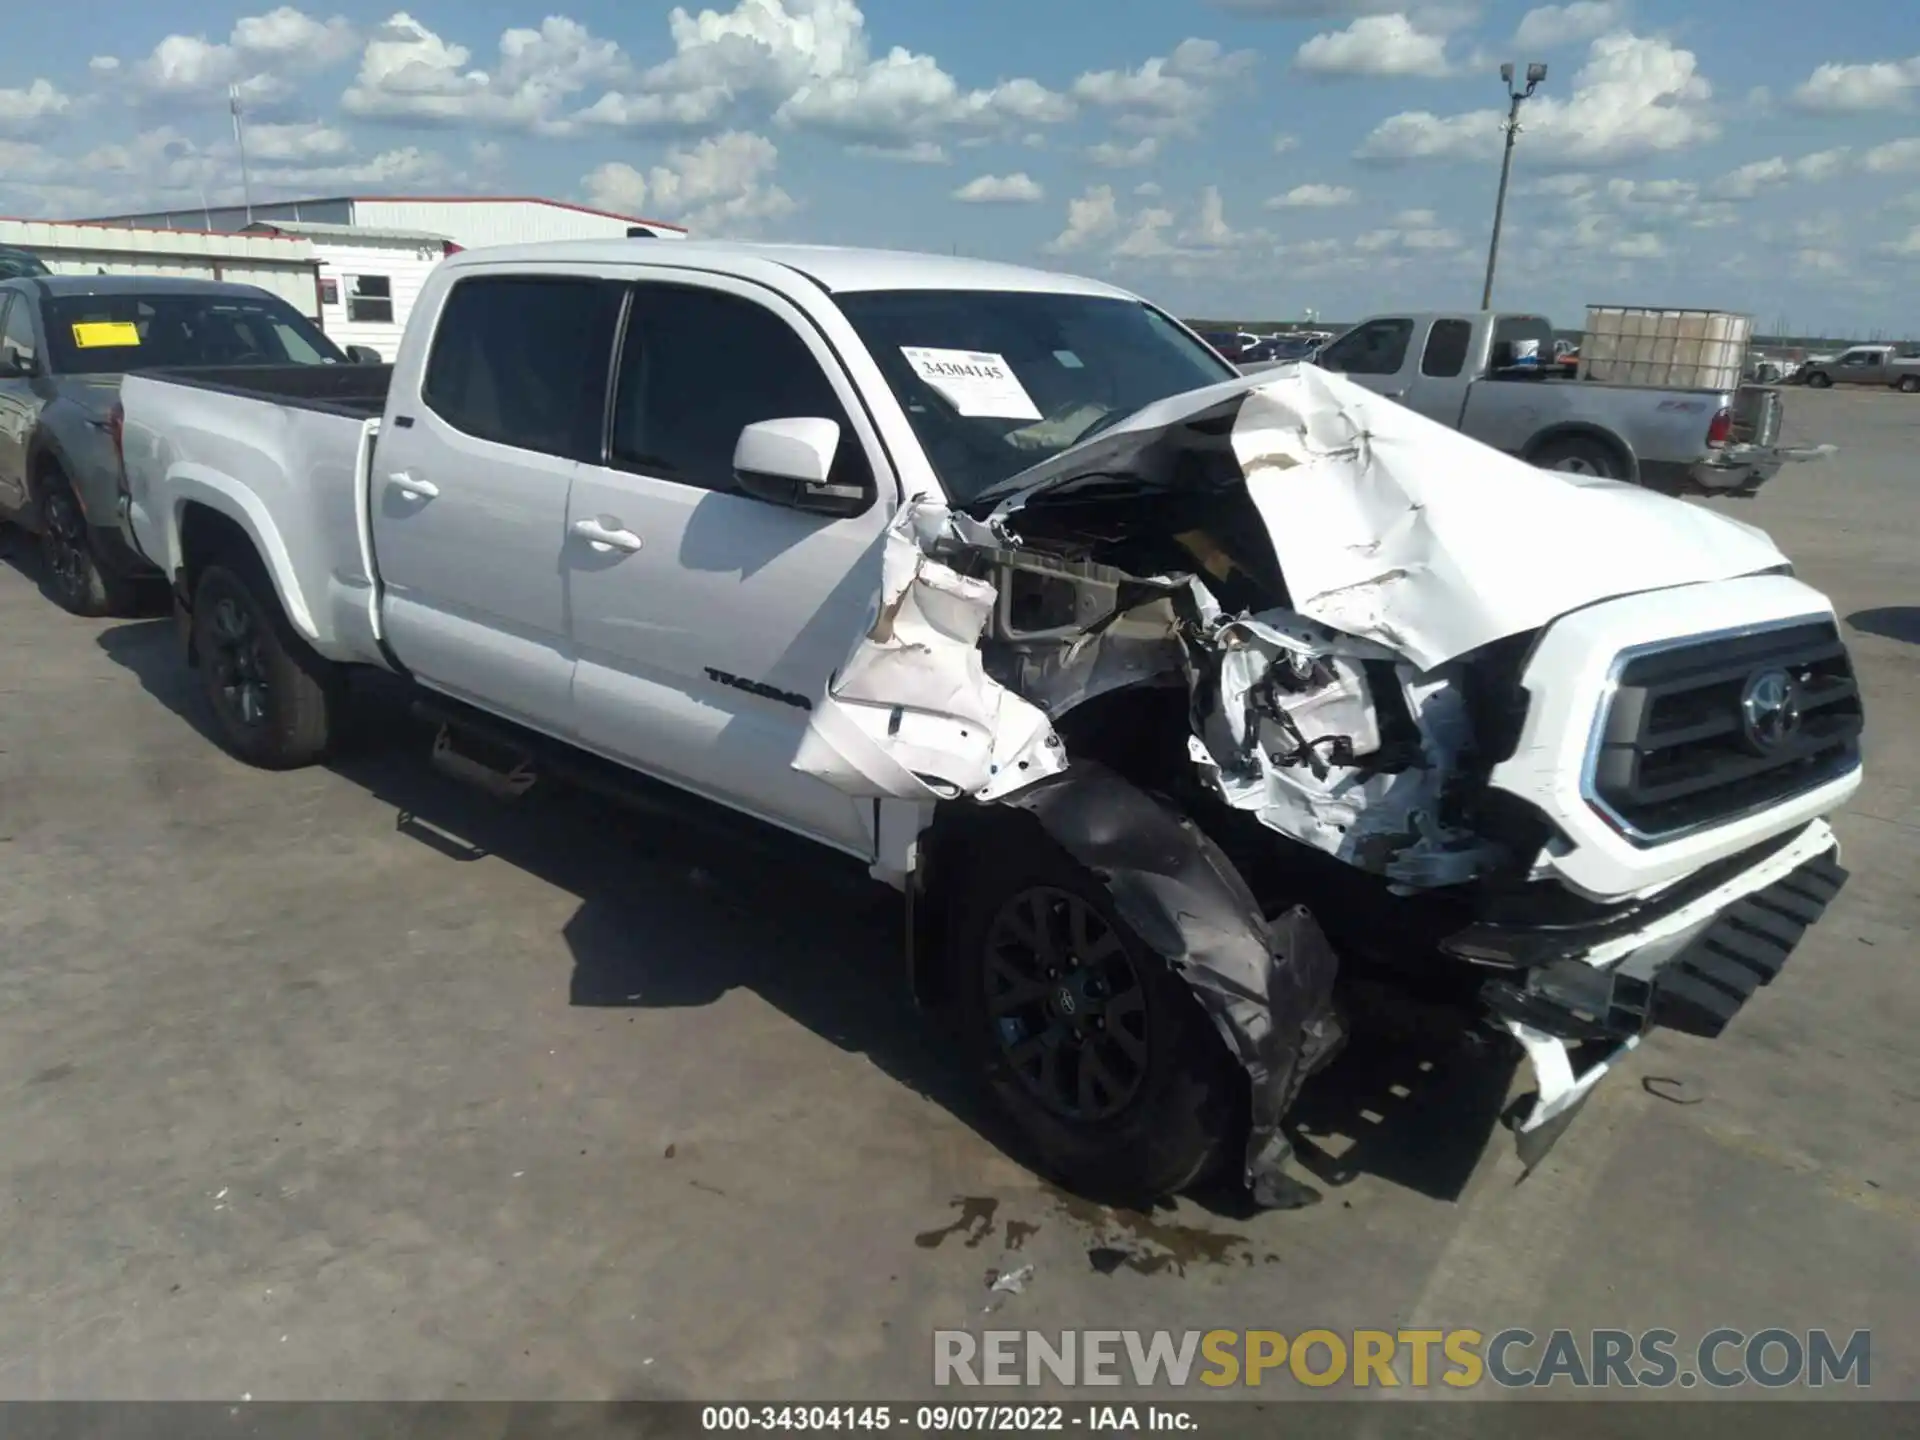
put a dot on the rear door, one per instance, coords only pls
(706, 628)
(470, 484)
(1437, 388)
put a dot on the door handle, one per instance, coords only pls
(407, 485)
(1394, 394)
(606, 535)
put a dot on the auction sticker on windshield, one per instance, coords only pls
(102, 334)
(978, 385)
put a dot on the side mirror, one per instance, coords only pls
(12, 366)
(364, 355)
(790, 463)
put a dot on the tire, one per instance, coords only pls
(74, 577)
(272, 699)
(1175, 1101)
(1579, 455)
(1910, 384)
(1819, 380)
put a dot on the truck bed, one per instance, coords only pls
(357, 391)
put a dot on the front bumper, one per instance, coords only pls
(1689, 962)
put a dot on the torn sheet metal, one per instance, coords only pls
(1389, 526)
(913, 714)
(1268, 988)
(1297, 737)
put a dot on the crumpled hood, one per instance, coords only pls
(1389, 526)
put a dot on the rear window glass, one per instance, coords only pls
(110, 334)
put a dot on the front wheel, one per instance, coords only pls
(1092, 1046)
(271, 697)
(77, 581)
(1819, 380)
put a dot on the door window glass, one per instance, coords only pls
(522, 360)
(1378, 347)
(1446, 354)
(16, 330)
(698, 367)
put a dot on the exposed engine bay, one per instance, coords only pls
(1338, 593)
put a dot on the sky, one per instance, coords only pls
(1228, 158)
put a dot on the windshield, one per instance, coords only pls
(108, 334)
(994, 382)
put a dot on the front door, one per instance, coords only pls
(470, 483)
(1373, 354)
(705, 622)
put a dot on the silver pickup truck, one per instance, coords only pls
(1460, 369)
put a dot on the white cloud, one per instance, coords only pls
(1309, 9)
(1643, 245)
(258, 55)
(807, 64)
(298, 143)
(1092, 216)
(1283, 143)
(1147, 188)
(1819, 261)
(916, 152)
(410, 72)
(1893, 158)
(1635, 96)
(22, 162)
(1910, 245)
(1167, 94)
(1554, 25)
(1749, 180)
(1416, 219)
(1118, 157)
(28, 110)
(1375, 45)
(721, 183)
(406, 166)
(1845, 89)
(1313, 197)
(1016, 189)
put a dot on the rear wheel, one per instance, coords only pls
(1578, 455)
(1910, 384)
(1089, 1042)
(74, 575)
(272, 698)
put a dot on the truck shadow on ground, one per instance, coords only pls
(1895, 622)
(682, 902)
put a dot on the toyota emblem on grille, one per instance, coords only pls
(1770, 710)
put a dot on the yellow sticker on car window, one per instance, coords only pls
(102, 334)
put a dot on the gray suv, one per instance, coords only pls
(65, 342)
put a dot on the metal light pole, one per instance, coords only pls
(240, 140)
(1535, 74)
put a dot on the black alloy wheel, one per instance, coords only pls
(237, 659)
(1067, 1005)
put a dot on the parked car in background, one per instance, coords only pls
(1163, 705)
(65, 343)
(1277, 350)
(1229, 345)
(17, 264)
(1461, 370)
(1864, 365)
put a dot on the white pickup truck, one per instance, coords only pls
(1171, 698)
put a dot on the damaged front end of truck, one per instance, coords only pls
(1330, 597)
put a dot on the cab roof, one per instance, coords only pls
(837, 269)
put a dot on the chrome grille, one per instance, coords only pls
(1681, 748)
